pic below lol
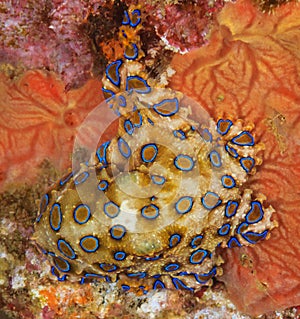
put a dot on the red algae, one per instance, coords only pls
(250, 70)
(38, 120)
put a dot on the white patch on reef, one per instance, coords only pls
(153, 304)
(18, 280)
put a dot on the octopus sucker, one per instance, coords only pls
(150, 206)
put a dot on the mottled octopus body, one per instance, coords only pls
(152, 204)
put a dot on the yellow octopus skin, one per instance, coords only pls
(151, 206)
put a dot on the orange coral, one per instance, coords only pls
(250, 70)
(38, 120)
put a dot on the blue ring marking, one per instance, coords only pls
(88, 215)
(43, 207)
(213, 154)
(227, 129)
(59, 216)
(158, 284)
(65, 179)
(206, 131)
(182, 168)
(125, 287)
(128, 126)
(150, 121)
(254, 204)
(208, 275)
(180, 134)
(112, 267)
(138, 12)
(118, 63)
(231, 203)
(73, 256)
(184, 198)
(241, 225)
(231, 151)
(122, 142)
(145, 214)
(211, 206)
(144, 148)
(135, 53)
(81, 178)
(87, 237)
(68, 267)
(248, 158)
(157, 179)
(91, 275)
(139, 275)
(62, 278)
(224, 230)
(102, 149)
(111, 204)
(126, 19)
(156, 276)
(175, 237)
(103, 184)
(224, 177)
(192, 261)
(234, 140)
(110, 92)
(171, 267)
(119, 228)
(233, 241)
(259, 236)
(140, 120)
(120, 255)
(178, 284)
(158, 105)
(144, 90)
(193, 243)
(122, 101)
(152, 258)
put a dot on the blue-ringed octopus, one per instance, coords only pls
(151, 205)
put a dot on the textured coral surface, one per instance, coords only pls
(250, 70)
(38, 121)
